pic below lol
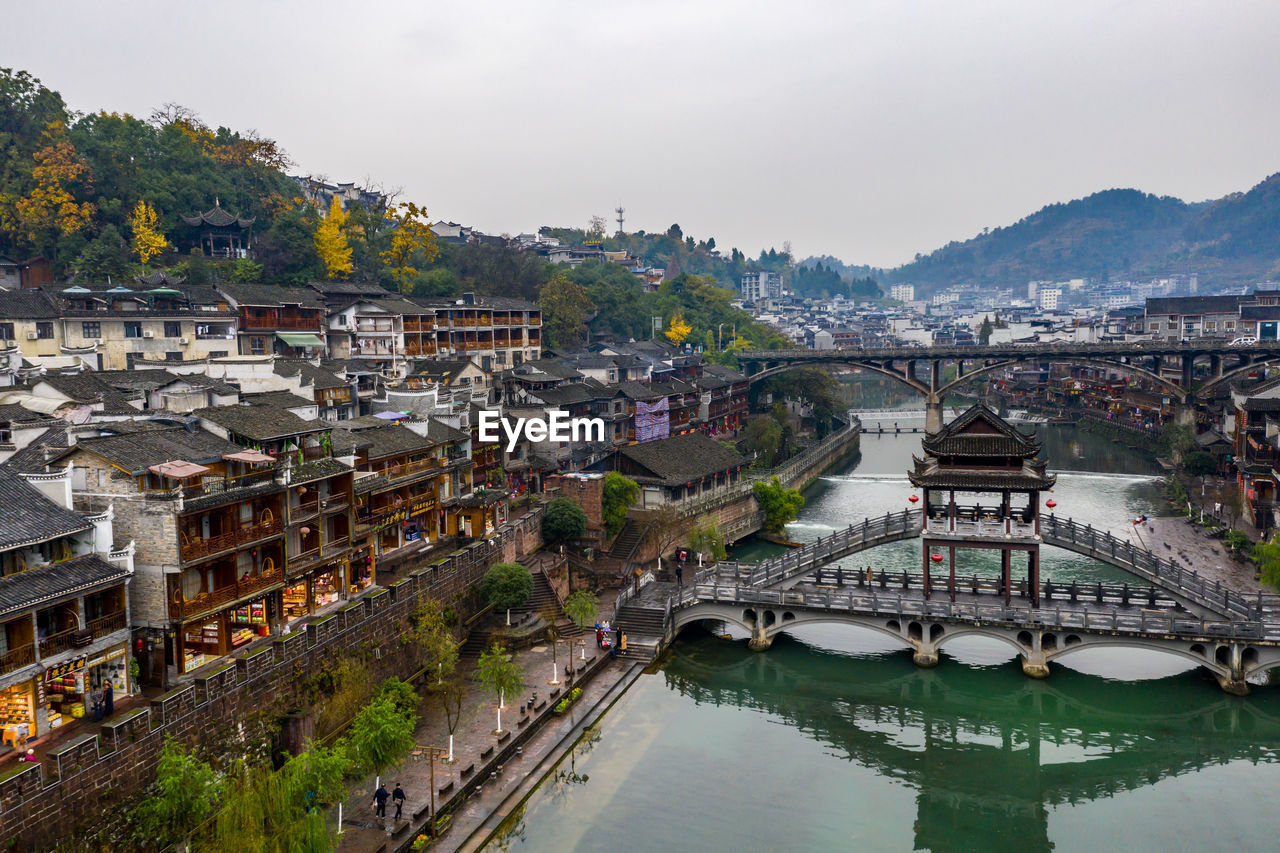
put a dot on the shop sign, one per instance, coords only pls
(64, 669)
(390, 519)
(108, 656)
(421, 507)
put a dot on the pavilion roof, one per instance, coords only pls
(980, 432)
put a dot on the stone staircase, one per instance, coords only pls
(627, 540)
(542, 602)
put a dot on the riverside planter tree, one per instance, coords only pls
(500, 675)
(382, 732)
(507, 585)
(430, 629)
(780, 504)
(619, 494)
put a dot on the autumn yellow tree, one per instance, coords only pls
(331, 241)
(49, 210)
(677, 329)
(412, 242)
(147, 239)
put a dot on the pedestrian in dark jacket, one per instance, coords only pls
(109, 699)
(397, 797)
(380, 801)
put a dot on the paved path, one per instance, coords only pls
(364, 832)
(1173, 538)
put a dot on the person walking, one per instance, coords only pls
(108, 699)
(679, 574)
(397, 797)
(95, 701)
(380, 801)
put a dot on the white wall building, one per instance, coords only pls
(903, 292)
(757, 286)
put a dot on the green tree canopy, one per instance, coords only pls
(498, 672)
(506, 585)
(564, 520)
(780, 504)
(185, 793)
(381, 733)
(582, 607)
(620, 492)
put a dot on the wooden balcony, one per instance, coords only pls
(108, 624)
(60, 642)
(18, 658)
(298, 324)
(180, 608)
(196, 548)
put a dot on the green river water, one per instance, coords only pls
(833, 740)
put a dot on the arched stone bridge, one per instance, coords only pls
(1203, 365)
(1232, 650)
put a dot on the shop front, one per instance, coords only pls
(18, 712)
(313, 591)
(216, 635)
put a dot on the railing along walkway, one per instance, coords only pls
(973, 609)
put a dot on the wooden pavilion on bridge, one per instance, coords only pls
(982, 483)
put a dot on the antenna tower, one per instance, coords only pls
(620, 211)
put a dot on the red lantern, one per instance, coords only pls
(914, 498)
(937, 558)
(1051, 503)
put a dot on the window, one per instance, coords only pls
(257, 346)
(1172, 325)
(218, 353)
(91, 330)
(173, 356)
(6, 331)
(172, 329)
(44, 330)
(132, 329)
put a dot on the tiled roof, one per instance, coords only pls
(270, 295)
(31, 458)
(135, 451)
(259, 423)
(57, 580)
(27, 516)
(392, 440)
(980, 432)
(311, 375)
(26, 304)
(683, 458)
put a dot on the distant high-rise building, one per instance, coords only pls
(761, 285)
(903, 292)
(1048, 298)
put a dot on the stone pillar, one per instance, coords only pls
(1234, 682)
(1034, 664)
(932, 414)
(760, 640)
(925, 654)
(1184, 412)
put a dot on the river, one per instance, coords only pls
(832, 739)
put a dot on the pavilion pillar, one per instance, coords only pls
(951, 511)
(951, 579)
(1033, 576)
(1004, 511)
(1005, 580)
(926, 571)
(1035, 498)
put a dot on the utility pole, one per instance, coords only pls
(432, 751)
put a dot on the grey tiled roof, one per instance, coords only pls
(135, 451)
(683, 458)
(311, 375)
(57, 580)
(392, 440)
(259, 423)
(27, 516)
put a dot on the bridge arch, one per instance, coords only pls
(948, 636)
(1213, 382)
(1094, 642)
(914, 384)
(1127, 367)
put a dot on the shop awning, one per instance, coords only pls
(295, 339)
(251, 456)
(178, 469)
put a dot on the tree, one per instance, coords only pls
(434, 636)
(780, 504)
(764, 436)
(707, 540)
(185, 793)
(563, 520)
(664, 527)
(48, 210)
(620, 492)
(677, 329)
(565, 308)
(381, 734)
(331, 241)
(596, 228)
(1199, 464)
(582, 607)
(498, 672)
(412, 243)
(506, 585)
(450, 692)
(102, 257)
(1267, 556)
(1175, 440)
(984, 331)
(709, 342)
(147, 241)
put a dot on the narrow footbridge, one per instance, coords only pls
(1173, 610)
(1185, 585)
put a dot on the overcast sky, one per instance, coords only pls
(866, 130)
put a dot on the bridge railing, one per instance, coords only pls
(1165, 573)
(881, 604)
(889, 527)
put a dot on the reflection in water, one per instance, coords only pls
(984, 753)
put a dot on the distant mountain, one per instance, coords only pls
(1118, 233)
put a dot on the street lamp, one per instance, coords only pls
(720, 337)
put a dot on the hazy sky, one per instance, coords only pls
(866, 130)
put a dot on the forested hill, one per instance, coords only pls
(1117, 234)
